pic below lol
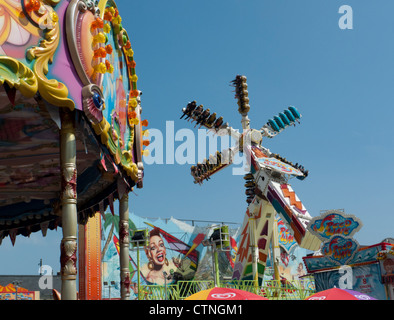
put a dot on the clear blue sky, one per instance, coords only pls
(293, 53)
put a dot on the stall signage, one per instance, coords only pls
(280, 166)
(336, 230)
(286, 239)
(334, 223)
(340, 249)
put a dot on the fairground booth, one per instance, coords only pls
(343, 263)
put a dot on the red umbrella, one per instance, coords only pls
(218, 293)
(339, 294)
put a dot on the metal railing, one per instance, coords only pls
(272, 289)
(289, 290)
(156, 292)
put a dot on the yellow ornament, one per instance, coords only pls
(107, 28)
(101, 68)
(145, 133)
(117, 20)
(99, 38)
(130, 52)
(133, 103)
(110, 69)
(55, 17)
(134, 121)
(145, 153)
(134, 78)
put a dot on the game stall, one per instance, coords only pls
(343, 263)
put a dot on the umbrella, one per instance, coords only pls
(218, 293)
(339, 294)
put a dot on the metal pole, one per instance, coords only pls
(275, 250)
(213, 265)
(138, 270)
(124, 247)
(165, 285)
(216, 265)
(253, 247)
(68, 256)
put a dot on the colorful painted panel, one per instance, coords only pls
(63, 69)
(29, 295)
(257, 231)
(174, 247)
(362, 256)
(243, 256)
(101, 52)
(279, 166)
(115, 84)
(336, 228)
(386, 260)
(365, 279)
(90, 259)
(17, 33)
(334, 223)
(9, 292)
(268, 162)
(291, 265)
(293, 213)
(291, 270)
(340, 249)
(285, 238)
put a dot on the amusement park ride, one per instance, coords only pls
(71, 141)
(268, 189)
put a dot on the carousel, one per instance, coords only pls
(71, 132)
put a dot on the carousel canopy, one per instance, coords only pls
(85, 70)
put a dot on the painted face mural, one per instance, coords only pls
(156, 251)
(158, 265)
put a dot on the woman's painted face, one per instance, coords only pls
(157, 250)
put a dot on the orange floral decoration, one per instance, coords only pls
(33, 5)
(108, 49)
(100, 52)
(144, 123)
(134, 93)
(108, 16)
(132, 64)
(98, 23)
(132, 115)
